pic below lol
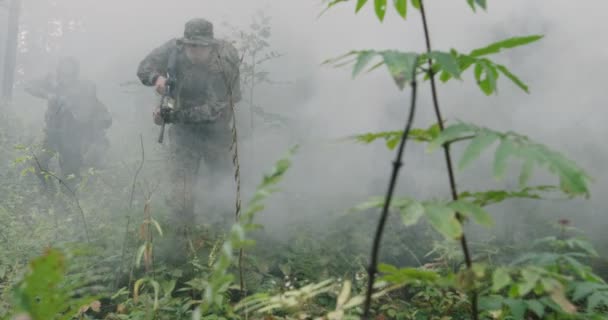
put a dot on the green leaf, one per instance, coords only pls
(481, 3)
(585, 245)
(536, 307)
(597, 299)
(505, 149)
(481, 141)
(401, 6)
(500, 279)
(517, 308)
(363, 59)
(491, 302)
(411, 213)
(157, 225)
(416, 4)
(380, 8)
(470, 209)
(526, 172)
(584, 289)
(448, 134)
(400, 65)
(530, 278)
(478, 70)
(443, 219)
(495, 196)
(504, 44)
(471, 4)
(488, 84)
(360, 4)
(140, 254)
(447, 62)
(512, 77)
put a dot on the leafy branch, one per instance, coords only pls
(219, 280)
(448, 65)
(440, 214)
(573, 179)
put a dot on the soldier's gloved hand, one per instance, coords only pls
(167, 115)
(160, 83)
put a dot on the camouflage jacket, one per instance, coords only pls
(76, 108)
(203, 92)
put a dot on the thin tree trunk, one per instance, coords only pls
(10, 56)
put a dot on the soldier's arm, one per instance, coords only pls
(41, 87)
(155, 63)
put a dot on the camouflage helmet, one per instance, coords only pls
(198, 31)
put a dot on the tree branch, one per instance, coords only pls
(448, 158)
(385, 210)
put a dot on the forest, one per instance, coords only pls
(402, 159)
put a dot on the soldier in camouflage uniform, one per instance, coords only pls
(76, 122)
(207, 86)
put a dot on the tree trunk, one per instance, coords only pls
(10, 56)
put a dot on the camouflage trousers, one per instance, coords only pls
(190, 146)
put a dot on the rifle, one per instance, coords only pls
(165, 102)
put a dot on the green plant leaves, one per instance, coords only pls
(512, 77)
(363, 60)
(441, 215)
(399, 64)
(485, 71)
(392, 138)
(219, 280)
(474, 149)
(500, 279)
(380, 9)
(45, 292)
(401, 7)
(486, 76)
(447, 62)
(474, 211)
(573, 179)
(412, 213)
(503, 152)
(473, 3)
(489, 197)
(443, 219)
(504, 44)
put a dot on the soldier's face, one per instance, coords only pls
(198, 54)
